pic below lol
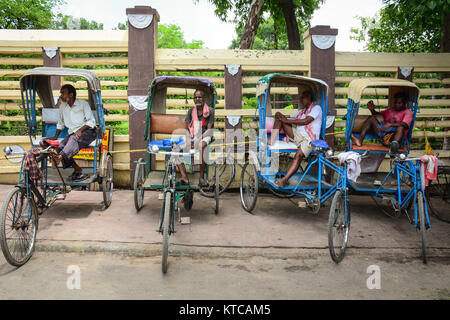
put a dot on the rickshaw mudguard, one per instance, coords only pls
(103, 164)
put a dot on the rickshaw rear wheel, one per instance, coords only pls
(249, 187)
(166, 223)
(225, 179)
(422, 225)
(438, 195)
(139, 179)
(22, 232)
(337, 224)
(216, 190)
(107, 182)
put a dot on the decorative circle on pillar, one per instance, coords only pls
(330, 121)
(140, 21)
(233, 68)
(406, 71)
(138, 102)
(50, 51)
(323, 42)
(233, 120)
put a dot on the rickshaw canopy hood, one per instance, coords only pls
(264, 82)
(183, 82)
(357, 86)
(43, 84)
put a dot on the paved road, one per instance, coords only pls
(312, 276)
(279, 252)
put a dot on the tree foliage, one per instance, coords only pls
(404, 26)
(236, 11)
(66, 22)
(27, 14)
(172, 37)
(268, 37)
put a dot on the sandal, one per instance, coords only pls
(181, 182)
(202, 183)
(79, 176)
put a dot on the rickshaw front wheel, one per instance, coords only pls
(107, 182)
(249, 186)
(138, 186)
(17, 232)
(166, 223)
(422, 225)
(216, 189)
(338, 226)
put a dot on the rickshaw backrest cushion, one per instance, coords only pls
(360, 119)
(166, 123)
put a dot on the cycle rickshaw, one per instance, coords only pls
(309, 183)
(31, 197)
(175, 148)
(403, 185)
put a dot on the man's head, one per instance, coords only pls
(306, 98)
(68, 93)
(400, 101)
(199, 97)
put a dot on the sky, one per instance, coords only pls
(198, 21)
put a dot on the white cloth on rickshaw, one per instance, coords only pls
(353, 160)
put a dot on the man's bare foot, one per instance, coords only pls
(356, 141)
(281, 183)
(56, 157)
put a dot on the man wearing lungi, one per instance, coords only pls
(77, 116)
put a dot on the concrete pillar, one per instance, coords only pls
(142, 42)
(52, 58)
(320, 44)
(233, 100)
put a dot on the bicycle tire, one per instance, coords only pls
(138, 185)
(336, 211)
(166, 224)
(18, 260)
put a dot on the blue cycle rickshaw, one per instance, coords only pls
(403, 185)
(34, 194)
(309, 183)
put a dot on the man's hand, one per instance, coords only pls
(371, 105)
(52, 138)
(385, 127)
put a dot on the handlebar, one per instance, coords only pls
(9, 152)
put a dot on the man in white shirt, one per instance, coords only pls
(301, 128)
(77, 116)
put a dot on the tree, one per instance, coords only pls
(268, 37)
(289, 15)
(407, 26)
(68, 22)
(171, 36)
(27, 14)
(251, 25)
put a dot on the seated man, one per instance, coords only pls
(77, 116)
(200, 122)
(301, 128)
(393, 130)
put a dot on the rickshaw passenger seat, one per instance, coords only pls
(357, 127)
(375, 147)
(166, 123)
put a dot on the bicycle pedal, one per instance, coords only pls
(185, 220)
(60, 196)
(161, 196)
(302, 204)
